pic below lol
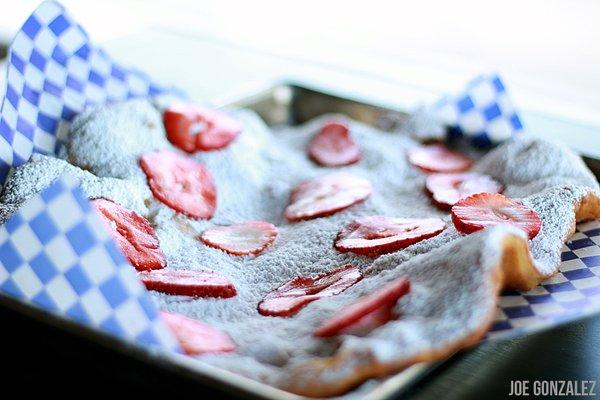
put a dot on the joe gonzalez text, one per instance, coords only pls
(553, 388)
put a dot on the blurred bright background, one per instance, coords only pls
(548, 51)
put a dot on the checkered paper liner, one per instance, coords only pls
(572, 293)
(483, 112)
(53, 73)
(55, 253)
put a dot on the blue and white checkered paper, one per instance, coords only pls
(483, 112)
(56, 253)
(54, 72)
(573, 293)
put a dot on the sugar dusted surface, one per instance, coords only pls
(41, 171)
(451, 293)
(548, 178)
(107, 140)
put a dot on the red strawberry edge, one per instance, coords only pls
(446, 189)
(196, 337)
(288, 299)
(180, 183)
(376, 235)
(333, 146)
(194, 128)
(326, 195)
(353, 316)
(238, 239)
(133, 234)
(484, 210)
(438, 158)
(188, 283)
(370, 321)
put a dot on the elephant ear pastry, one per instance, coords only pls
(312, 278)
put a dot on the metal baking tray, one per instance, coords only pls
(279, 104)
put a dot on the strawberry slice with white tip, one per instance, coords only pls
(291, 297)
(251, 237)
(180, 183)
(447, 189)
(378, 235)
(133, 234)
(484, 210)
(188, 283)
(367, 312)
(196, 337)
(333, 146)
(438, 158)
(193, 128)
(326, 195)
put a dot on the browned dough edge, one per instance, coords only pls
(522, 274)
(515, 269)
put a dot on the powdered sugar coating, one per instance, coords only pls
(528, 167)
(548, 178)
(40, 171)
(422, 126)
(452, 291)
(107, 140)
(452, 314)
(450, 298)
(7, 210)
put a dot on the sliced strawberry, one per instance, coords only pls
(333, 146)
(326, 195)
(447, 189)
(196, 337)
(180, 183)
(438, 158)
(368, 311)
(289, 298)
(241, 239)
(483, 210)
(370, 321)
(378, 235)
(188, 283)
(193, 128)
(133, 234)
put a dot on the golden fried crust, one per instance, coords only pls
(588, 208)
(519, 269)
